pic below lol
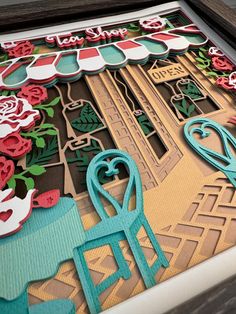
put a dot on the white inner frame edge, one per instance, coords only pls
(182, 287)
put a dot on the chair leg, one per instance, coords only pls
(160, 254)
(121, 262)
(147, 272)
(140, 259)
(86, 281)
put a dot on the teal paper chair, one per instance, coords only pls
(225, 162)
(110, 230)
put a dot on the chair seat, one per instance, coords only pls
(112, 225)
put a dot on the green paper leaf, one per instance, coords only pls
(36, 50)
(36, 170)
(40, 142)
(202, 55)
(54, 102)
(191, 109)
(200, 60)
(12, 183)
(42, 156)
(50, 112)
(5, 92)
(202, 66)
(212, 74)
(29, 182)
(88, 120)
(46, 126)
(184, 103)
(145, 124)
(51, 132)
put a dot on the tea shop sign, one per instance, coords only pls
(94, 36)
(167, 73)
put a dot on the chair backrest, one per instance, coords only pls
(109, 160)
(225, 162)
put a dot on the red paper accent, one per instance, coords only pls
(16, 114)
(152, 24)
(191, 28)
(47, 199)
(88, 53)
(224, 83)
(4, 216)
(65, 40)
(232, 120)
(44, 61)
(222, 64)
(35, 94)
(15, 146)
(127, 44)
(7, 168)
(21, 49)
(163, 36)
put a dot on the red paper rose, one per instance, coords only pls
(224, 83)
(16, 114)
(6, 171)
(21, 49)
(222, 64)
(14, 145)
(35, 94)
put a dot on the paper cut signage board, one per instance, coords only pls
(117, 145)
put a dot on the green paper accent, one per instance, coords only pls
(34, 253)
(67, 64)
(83, 158)
(36, 170)
(190, 89)
(145, 124)
(47, 107)
(184, 107)
(123, 226)
(17, 76)
(87, 121)
(192, 38)
(37, 135)
(112, 55)
(151, 45)
(42, 156)
(133, 28)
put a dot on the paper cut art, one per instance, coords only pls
(15, 146)
(117, 102)
(50, 68)
(47, 239)
(7, 169)
(14, 211)
(35, 94)
(123, 226)
(16, 114)
(225, 161)
(152, 24)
